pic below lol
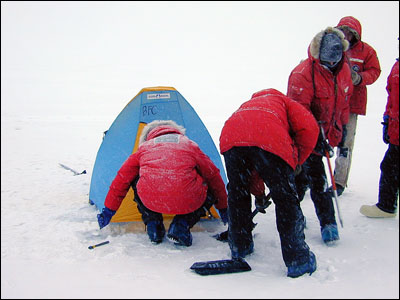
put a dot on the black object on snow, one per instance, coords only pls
(224, 266)
(72, 170)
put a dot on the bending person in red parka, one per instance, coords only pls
(389, 180)
(322, 83)
(365, 70)
(271, 135)
(169, 175)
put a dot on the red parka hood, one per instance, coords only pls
(352, 24)
(267, 92)
(160, 127)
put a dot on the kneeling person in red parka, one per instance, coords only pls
(169, 175)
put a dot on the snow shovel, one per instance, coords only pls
(224, 266)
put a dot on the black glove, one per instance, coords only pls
(355, 77)
(262, 202)
(329, 149)
(322, 146)
(223, 213)
(105, 217)
(344, 135)
(385, 124)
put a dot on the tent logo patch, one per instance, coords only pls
(158, 96)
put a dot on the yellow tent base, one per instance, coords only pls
(139, 227)
(128, 211)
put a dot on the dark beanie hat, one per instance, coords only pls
(331, 48)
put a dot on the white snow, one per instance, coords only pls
(69, 68)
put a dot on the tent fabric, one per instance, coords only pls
(122, 139)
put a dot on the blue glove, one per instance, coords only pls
(105, 217)
(223, 213)
(385, 124)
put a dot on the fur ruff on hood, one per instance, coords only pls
(157, 123)
(316, 41)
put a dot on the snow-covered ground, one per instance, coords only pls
(69, 68)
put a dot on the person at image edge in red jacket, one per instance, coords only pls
(389, 179)
(268, 137)
(169, 175)
(365, 70)
(322, 84)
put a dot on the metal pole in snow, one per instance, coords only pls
(332, 178)
(97, 245)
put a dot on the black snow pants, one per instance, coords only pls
(279, 178)
(389, 180)
(191, 218)
(313, 176)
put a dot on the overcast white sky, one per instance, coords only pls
(100, 54)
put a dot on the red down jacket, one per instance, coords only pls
(329, 102)
(275, 123)
(174, 174)
(363, 59)
(392, 106)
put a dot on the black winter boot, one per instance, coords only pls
(155, 231)
(179, 232)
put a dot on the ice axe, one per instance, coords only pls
(261, 205)
(331, 174)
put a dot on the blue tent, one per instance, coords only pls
(122, 138)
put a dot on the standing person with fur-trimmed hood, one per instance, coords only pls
(169, 175)
(365, 70)
(322, 83)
